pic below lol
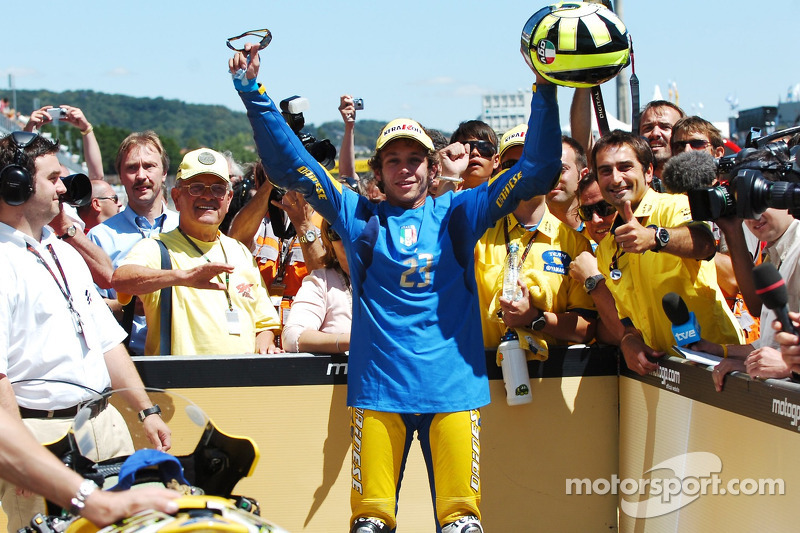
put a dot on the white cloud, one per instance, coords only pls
(439, 80)
(118, 72)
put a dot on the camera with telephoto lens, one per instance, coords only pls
(744, 192)
(79, 190)
(323, 151)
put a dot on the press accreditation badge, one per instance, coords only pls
(232, 319)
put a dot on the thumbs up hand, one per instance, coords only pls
(631, 236)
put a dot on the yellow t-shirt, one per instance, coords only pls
(646, 278)
(553, 248)
(199, 319)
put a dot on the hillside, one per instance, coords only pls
(181, 126)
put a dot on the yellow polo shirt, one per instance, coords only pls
(553, 248)
(647, 277)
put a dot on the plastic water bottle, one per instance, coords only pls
(514, 365)
(511, 290)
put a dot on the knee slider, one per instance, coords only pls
(466, 524)
(368, 524)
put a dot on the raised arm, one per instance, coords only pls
(347, 153)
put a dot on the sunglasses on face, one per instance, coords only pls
(218, 190)
(508, 163)
(696, 144)
(333, 236)
(115, 198)
(602, 208)
(485, 148)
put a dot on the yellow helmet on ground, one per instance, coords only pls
(577, 44)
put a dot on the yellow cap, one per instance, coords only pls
(513, 137)
(203, 161)
(403, 128)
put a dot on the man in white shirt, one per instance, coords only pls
(59, 344)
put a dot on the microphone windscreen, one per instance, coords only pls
(675, 308)
(770, 286)
(689, 170)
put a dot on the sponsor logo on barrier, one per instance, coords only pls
(788, 409)
(671, 379)
(337, 368)
(682, 479)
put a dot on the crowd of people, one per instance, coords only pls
(402, 269)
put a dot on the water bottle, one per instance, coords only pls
(511, 290)
(514, 365)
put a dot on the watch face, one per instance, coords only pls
(663, 236)
(309, 236)
(590, 283)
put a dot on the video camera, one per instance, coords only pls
(744, 191)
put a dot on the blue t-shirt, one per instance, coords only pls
(416, 343)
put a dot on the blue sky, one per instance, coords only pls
(429, 60)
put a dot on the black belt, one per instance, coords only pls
(95, 408)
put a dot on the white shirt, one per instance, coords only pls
(38, 336)
(784, 254)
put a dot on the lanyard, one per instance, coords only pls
(533, 233)
(199, 251)
(76, 317)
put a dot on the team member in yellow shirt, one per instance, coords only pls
(554, 307)
(655, 249)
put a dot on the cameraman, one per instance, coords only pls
(780, 231)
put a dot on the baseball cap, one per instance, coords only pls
(403, 128)
(203, 161)
(513, 137)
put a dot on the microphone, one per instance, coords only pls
(771, 288)
(684, 324)
(689, 170)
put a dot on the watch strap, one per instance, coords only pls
(144, 413)
(71, 231)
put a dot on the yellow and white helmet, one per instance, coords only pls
(576, 44)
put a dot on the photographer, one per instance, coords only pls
(283, 262)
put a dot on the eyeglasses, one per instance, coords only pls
(115, 198)
(333, 236)
(485, 148)
(264, 35)
(602, 208)
(218, 190)
(508, 163)
(696, 144)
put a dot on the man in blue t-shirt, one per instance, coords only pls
(417, 362)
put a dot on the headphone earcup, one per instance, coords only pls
(15, 185)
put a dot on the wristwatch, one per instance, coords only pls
(539, 322)
(591, 282)
(662, 237)
(308, 237)
(144, 413)
(71, 231)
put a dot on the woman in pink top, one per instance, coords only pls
(322, 311)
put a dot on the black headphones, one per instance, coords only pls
(16, 183)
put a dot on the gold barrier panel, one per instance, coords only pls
(703, 460)
(295, 409)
